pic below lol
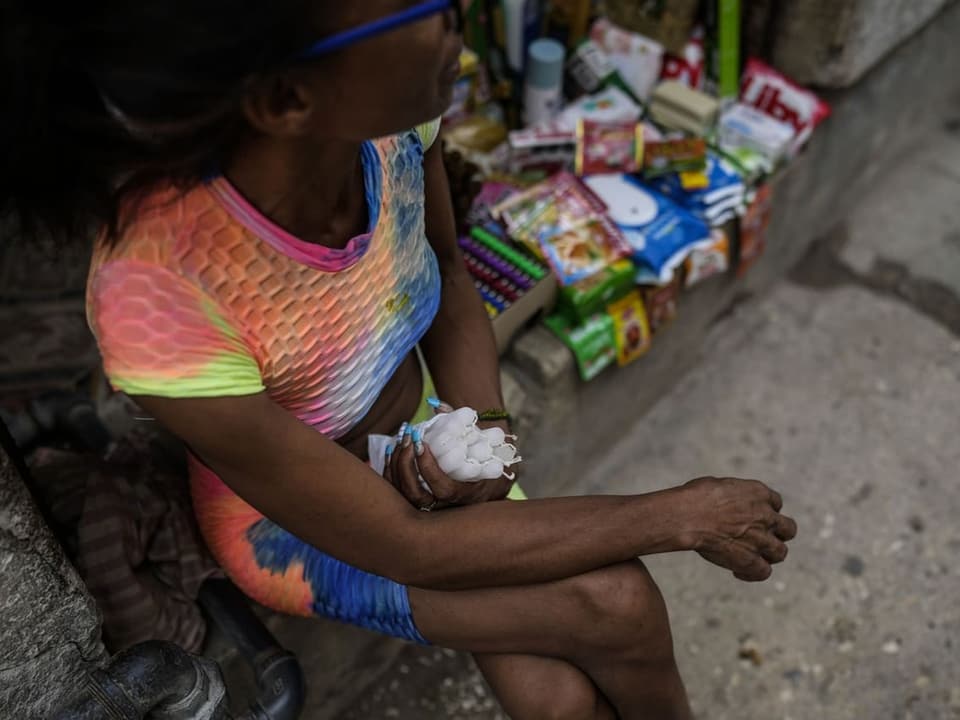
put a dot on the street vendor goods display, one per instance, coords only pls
(642, 168)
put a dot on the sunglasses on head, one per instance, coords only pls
(385, 24)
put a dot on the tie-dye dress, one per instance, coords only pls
(203, 296)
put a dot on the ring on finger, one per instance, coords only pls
(429, 508)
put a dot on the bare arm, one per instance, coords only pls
(327, 497)
(459, 347)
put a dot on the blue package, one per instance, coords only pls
(726, 190)
(660, 232)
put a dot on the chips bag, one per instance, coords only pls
(782, 99)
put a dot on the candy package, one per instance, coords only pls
(674, 155)
(591, 295)
(708, 259)
(491, 193)
(584, 249)
(593, 343)
(779, 97)
(546, 147)
(661, 302)
(608, 147)
(631, 329)
(556, 205)
(660, 232)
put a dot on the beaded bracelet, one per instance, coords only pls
(494, 414)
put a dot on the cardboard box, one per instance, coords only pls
(537, 301)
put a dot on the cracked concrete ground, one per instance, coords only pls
(841, 389)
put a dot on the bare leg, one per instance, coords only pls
(540, 688)
(611, 624)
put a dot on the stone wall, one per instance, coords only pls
(49, 624)
(833, 43)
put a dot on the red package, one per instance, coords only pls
(690, 67)
(782, 99)
(608, 147)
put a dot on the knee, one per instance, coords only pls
(564, 701)
(622, 608)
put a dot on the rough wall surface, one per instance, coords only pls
(49, 624)
(833, 43)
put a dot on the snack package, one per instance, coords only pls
(546, 147)
(753, 229)
(631, 329)
(638, 59)
(593, 343)
(720, 201)
(660, 232)
(744, 126)
(491, 193)
(708, 259)
(590, 296)
(674, 155)
(559, 203)
(694, 180)
(661, 302)
(612, 105)
(770, 92)
(476, 132)
(552, 205)
(608, 147)
(690, 66)
(584, 249)
(587, 69)
(751, 165)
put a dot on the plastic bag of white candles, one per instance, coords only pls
(465, 452)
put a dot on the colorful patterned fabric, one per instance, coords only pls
(206, 297)
(280, 571)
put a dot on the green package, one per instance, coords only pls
(594, 343)
(578, 302)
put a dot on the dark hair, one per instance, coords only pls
(106, 98)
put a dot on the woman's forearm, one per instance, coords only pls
(517, 543)
(328, 498)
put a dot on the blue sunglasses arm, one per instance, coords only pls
(377, 27)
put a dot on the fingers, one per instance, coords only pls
(439, 407)
(441, 485)
(759, 572)
(388, 472)
(784, 527)
(770, 547)
(776, 500)
(408, 478)
(747, 564)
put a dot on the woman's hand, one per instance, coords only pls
(737, 524)
(413, 460)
